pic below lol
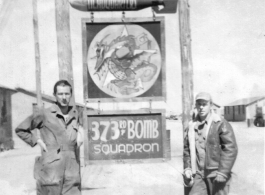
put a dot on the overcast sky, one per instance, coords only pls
(228, 48)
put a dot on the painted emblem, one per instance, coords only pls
(124, 61)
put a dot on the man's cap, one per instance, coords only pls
(203, 96)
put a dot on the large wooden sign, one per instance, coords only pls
(126, 135)
(124, 61)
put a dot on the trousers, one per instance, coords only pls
(57, 174)
(207, 186)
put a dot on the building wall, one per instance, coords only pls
(5, 116)
(22, 107)
(239, 113)
(252, 109)
(235, 113)
(228, 113)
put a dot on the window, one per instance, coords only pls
(239, 109)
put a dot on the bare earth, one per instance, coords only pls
(16, 169)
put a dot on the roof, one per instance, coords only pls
(4, 87)
(246, 101)
(216, 105)
(45, 97)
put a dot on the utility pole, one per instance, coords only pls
(186, 66)
(37, 56)
(64, 42)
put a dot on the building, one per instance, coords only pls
(243, 109)
(6, 117)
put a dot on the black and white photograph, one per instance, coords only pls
(132, 97)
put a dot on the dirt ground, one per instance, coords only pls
(16, 170)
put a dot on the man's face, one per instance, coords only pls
(63, 95)
(203, 107)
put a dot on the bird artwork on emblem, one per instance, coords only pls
(124, 64)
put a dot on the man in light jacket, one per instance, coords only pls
(57, 130)
(210, 150)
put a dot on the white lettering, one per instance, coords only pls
(105, 149)
(95, 129)
(106, 125)
(139, 131)
(123, 148)
(147, 150)
(147, 128)
(155, 131)
(97, 149)
(111, 4)
(138, 147)
(131, 133)
(111, 150)
(127, 148)
(153, 146)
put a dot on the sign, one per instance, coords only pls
(113, 5)
(115, 136)
(124, 61)
(159, 6)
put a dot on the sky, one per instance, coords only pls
(228, 47)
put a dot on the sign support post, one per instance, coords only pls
(64, 42)
(37, 56)
(186, 65)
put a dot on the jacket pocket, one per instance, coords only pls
(48, 169)
(213, 155)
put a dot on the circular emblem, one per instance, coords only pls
(124, 61)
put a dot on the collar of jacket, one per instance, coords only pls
(212, 117)
(56, 110)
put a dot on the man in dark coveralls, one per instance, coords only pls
(210, 150)
(57, 130)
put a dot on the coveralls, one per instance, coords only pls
(57, 170)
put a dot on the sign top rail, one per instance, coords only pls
(159, 6)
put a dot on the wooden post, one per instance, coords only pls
(64, 41)
(37, 56)
(186, 65)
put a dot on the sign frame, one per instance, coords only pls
(88, 21)
(166, 151)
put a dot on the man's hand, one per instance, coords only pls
(42, 145)
(220, 178)
(188, 174)
(80, 136)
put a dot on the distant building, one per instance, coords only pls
(244, 109)
(6, 117)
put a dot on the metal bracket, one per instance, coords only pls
(123, 16)
(92, 17)
(150, 105)
(154, 16)
(98, 107)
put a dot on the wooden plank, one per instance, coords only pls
(64, 41)
(37, 54)
(186, 66)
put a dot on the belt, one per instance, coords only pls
(62, 147)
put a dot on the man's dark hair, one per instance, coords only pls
(61, 83)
